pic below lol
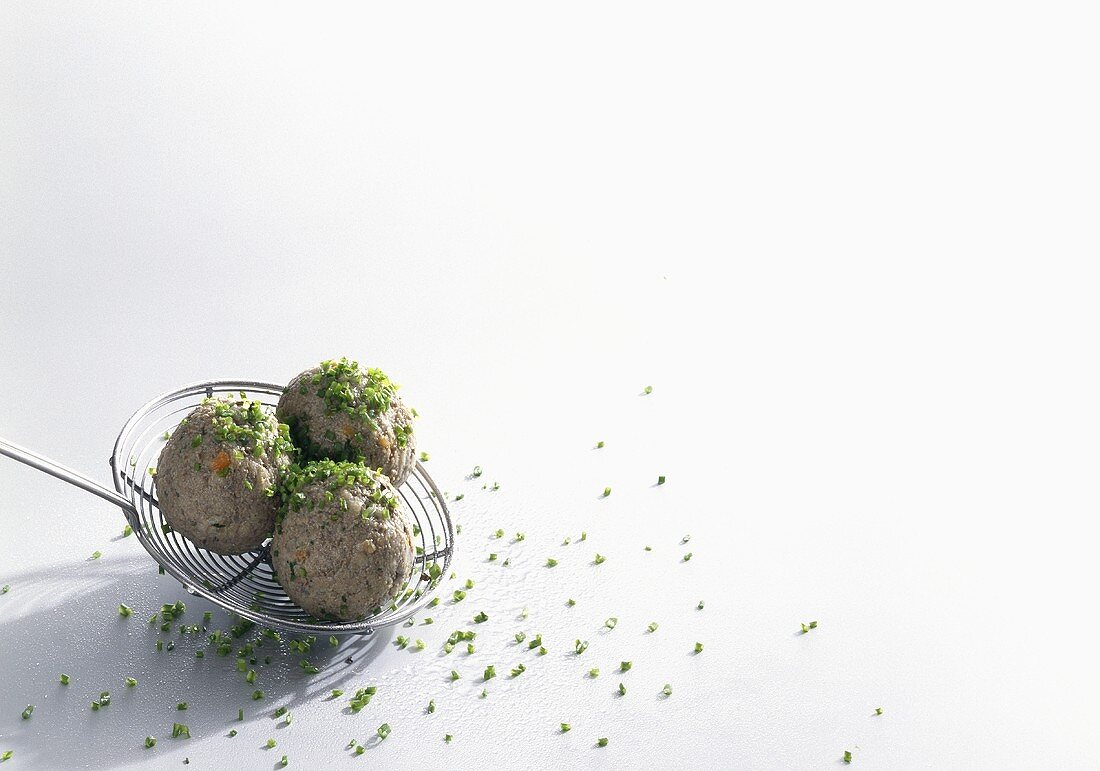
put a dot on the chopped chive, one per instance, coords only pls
(460, 496)
(28, 712)
(498, 534)
(420, 644)
(611, 623)
(150, 741)
(807, 627)
(425, 457)
(698, 647)
(606, 492)
(660, 480)
(847, 756)
(459, 595)
(448, 738)
(124, 610)
(431, 706)
(624, 666)
(580, 647)
(687, 556)
(599, 445)
(5, 588)
(490, 672)
(240, 714)
(686, 538)
(594, 672)
(250, 676)
(6, 755)
(469, 648)
(622, 689)
(383, 730)
(130, 682)
(284, 762)
(360, 750)
(699, 606)
(97, 554)
(232, 732)
(454, 675)
(652, 626)
(667, 690)
(542, 651)
(469, 583)
(270, 743)
(181, 706)
(878, 710)
(565, 727)
(571, 602)
(648, 390)
(584, 536)
(279, 712)
(521, 636)
(477, 471)
(434, 602)
(600, 559)
(127, 531)
(481, 617)
(492, 557)
(179, 729)
(484, 693)
(551, 562)
(601, 742)
(336, 693)
(257, 695)
(64, 679)
(649, 548)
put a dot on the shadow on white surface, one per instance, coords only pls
(64, 619)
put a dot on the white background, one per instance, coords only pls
(851, 246)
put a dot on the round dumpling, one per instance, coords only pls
(339, 411)
(343, 544)
(217, 475)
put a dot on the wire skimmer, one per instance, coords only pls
(244, 584)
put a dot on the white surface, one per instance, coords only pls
(852, 247)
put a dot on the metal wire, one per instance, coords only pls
(245, 584)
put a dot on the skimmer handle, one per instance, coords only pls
(64, 473)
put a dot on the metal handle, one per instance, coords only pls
(64, 473)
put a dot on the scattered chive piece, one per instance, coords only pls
(521, 636)
(447, 738)
(686, 538)
(181, 706)
(28, 712)
(240, 714)
(565, 727)
(459, 595)
(660, 480)
(150, 741)
(622, 689)
(584, 536)
(270, 743)
(523, 613)
(477, 471)
(124, 610)
(97, 554)
(699, 606)
(284, 762)
(425, 457)
(490, 672)
(333, 641)
(484, 693)
(648, 390)
(652, 626)
(601, 742)
(481, 617)
(469, 583)
(64, 679)
(600, 559)
(611, 623)
(571, 602)
(257, 695)
(698, 647)
(542, 651)
(428, 620)
(250, 676)
(687, 556)
(535, 642)
(5, 588)
(431, 706)
(469, 648)
(127, 531)
(130, 682)
(434, 602)
(807, 627)
(580, 647)
(179, 729)
(401, 641)
(606, 492)
(594, 672)
(624, 666)
(454, 675)
(847, 756)
(492, 557)
(878, 710)
(498, 534)
(6, 755)
(649, 548)
(280, 712)
(360, 750)
(383, 730)
(667, 690)
(421, 645)
(460, 496)
(336, 693)
(599, 445)
(551, 562)
(232, 732)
